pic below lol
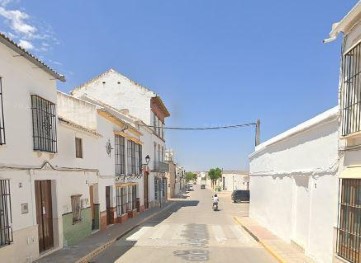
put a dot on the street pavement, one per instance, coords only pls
(190, 231)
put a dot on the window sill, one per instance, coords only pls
(351, 135)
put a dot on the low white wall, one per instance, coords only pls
(293, 185)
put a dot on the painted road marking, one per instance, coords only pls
(218, 233)
(159, 231)
(137, 235)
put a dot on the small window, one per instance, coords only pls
(6, 234)
(76, 208)
(79, 148)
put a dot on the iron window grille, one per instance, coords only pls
(351, 91)
(134, 153)
(2, 122)
(6, 233)
(119, 200)
(78, 148)
(134, 196)
(119, 155)
(129, 204)
(349, 222)
(44, 124)
(156, 188)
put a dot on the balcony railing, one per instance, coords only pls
(160, 167)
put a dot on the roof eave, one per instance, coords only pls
(12, 45)
(341, 26)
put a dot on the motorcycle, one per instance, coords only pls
(215, 206)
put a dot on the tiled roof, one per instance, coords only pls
(15, 47)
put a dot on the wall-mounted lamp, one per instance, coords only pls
(147, 159)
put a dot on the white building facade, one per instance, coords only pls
(123, 94)
(234, 180)
(294, 185)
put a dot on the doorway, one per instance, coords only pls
(44, 214)
(107, 201)
(146, 206)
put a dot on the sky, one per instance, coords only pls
(213, 63)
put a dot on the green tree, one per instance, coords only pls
(190, 176)
(214, 174)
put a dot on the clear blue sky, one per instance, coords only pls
(213, 62)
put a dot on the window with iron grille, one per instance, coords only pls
(129, 204)
(6, 234)
(349, 223)
(2, 123)
(78, 148)
(44, 124)
(124, 200)
(119, 203)
(138, 158)
(351, 91)
(119, 155)
(156, 188)
(134, 196)
(134, 154)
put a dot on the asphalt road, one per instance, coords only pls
(190, 232)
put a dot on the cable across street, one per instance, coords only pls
(205, 128)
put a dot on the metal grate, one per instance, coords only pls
(134, 153)
(119, 155)
(2, 124)
(351, 91)
(349, 225)
(44, 124)
(134, 196)
(6, 234)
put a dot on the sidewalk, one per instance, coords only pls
(281, 250)
(99, 241)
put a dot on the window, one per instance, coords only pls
(119, 155)
(156, 188)
(349, 225)
(76, 208)
(2, 124)
(134, 152)
(78, 148)
(129, 204)
(121, 200)
(351, 91)
(44, 124)
(154, 121)
(6, 234)
(124, 200)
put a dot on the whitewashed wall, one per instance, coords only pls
(235, 181)
(20, 80)
(293, 184)
(119, 92)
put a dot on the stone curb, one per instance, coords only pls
(267, 247)
(100, 249)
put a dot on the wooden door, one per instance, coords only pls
(146, 190)
(92, 208)
(44, 214)
(107, 200)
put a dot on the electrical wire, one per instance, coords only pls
(204, 128)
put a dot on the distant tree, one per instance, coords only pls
(190, 176)
(214, 174)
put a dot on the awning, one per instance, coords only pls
(352, 172)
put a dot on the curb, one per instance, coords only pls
(98, 250)
(268, 248)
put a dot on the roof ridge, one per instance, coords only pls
(104, 74)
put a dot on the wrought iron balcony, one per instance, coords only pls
(160, 167)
